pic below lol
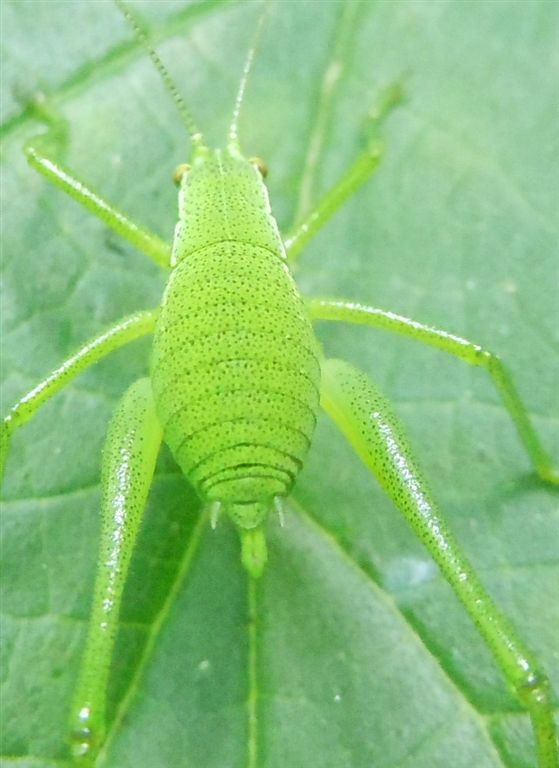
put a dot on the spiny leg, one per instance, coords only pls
(353, 178)
(39, 151)
(351, 312)
(366, 419)
(129, 457)
(128, 329)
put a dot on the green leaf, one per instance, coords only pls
(362, 656)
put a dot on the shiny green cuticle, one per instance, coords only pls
(236, 381)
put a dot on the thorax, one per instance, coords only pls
(224, 199)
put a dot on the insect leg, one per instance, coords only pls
(129, 457)
(128, 329)
(370, 426)
(353, 178)
(324, 309)
(146, 242)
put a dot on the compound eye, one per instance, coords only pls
(261, 165)
(180, 171)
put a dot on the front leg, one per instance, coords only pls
(367, 421)
(41, 152)
(129, 456)
(355, 176)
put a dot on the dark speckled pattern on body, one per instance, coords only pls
(235, 368)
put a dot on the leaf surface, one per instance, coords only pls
(361, 655)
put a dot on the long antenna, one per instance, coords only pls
(233, 135)
(193, 131)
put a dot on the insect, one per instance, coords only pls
(334, 693)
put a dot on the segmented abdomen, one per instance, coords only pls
(235, 373)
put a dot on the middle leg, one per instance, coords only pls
(126, 330)
(360, 314)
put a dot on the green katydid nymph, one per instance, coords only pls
(236, 381)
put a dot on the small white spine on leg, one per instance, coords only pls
(279, 506)
(214, 511)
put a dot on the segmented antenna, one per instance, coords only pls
(233, 135)
(193, 131)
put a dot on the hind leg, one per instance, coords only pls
(369, 424)
(129, 456)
